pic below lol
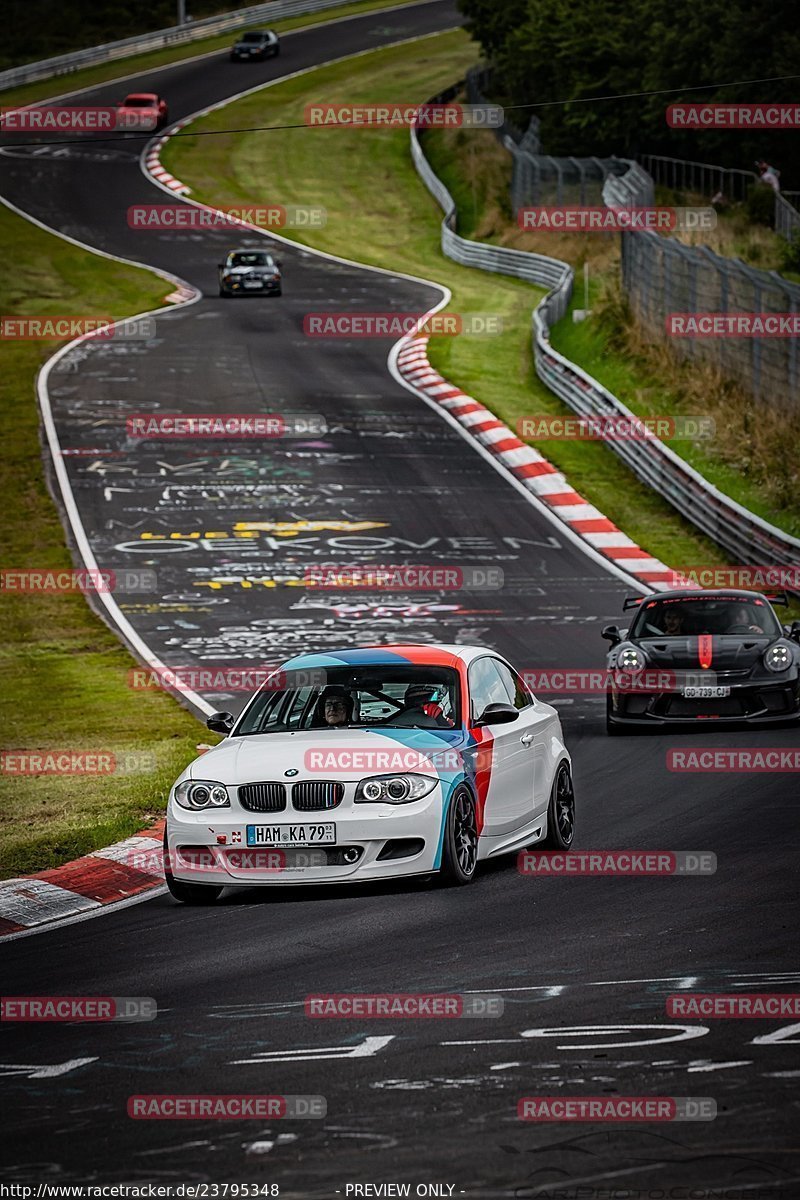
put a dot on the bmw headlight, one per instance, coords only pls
(779, 657)
(198, 793)
(631, 658)
(394, 789)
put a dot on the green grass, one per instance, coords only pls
(137, 63)
(63, 674)
(380, 213)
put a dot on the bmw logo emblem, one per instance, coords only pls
(291, 771)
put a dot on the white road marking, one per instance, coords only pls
(782, 1035)
(678, 1033)
(38, 1071)
(368, 1049)
(705, 1064)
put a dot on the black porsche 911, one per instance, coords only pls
(691, 655)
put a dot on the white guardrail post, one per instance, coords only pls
(745, 536)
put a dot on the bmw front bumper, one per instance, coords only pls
(373, 841)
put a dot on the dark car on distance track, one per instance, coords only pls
(691, 655)
(256, 46)
(249, 272)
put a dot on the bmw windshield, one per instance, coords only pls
(362, 697)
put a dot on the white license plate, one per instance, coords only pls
(706, 693)
(253, 283)
(291, 835)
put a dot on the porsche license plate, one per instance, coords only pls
(706, 693)
(291, 835)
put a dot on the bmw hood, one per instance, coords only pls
(343, 754)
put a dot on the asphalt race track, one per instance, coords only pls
(584, 965)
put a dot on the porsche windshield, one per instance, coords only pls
(681, 616)
(360, 697)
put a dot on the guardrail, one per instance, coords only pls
(746, 537)
(177, 35)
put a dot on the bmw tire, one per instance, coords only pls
(560, 812)
(460, 846)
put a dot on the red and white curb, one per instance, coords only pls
(107, 876)
(531, 469)
(153, 162)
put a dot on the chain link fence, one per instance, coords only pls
(705, 179)
(661, 275)
(543, 179)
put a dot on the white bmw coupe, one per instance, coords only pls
(371, 764)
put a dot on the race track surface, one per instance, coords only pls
(407, 1101)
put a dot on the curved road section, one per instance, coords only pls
(228, 532)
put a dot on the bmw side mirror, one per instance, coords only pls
(498, 714)
(611, 633)
(220, 265)
(221, 722)
(278, 262)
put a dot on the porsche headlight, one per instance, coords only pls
(631, 658)
(779, 657)
(198, 793)
(394, 789)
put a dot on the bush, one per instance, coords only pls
(760, 205)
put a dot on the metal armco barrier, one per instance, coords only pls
(746, 537)
(177, 35)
